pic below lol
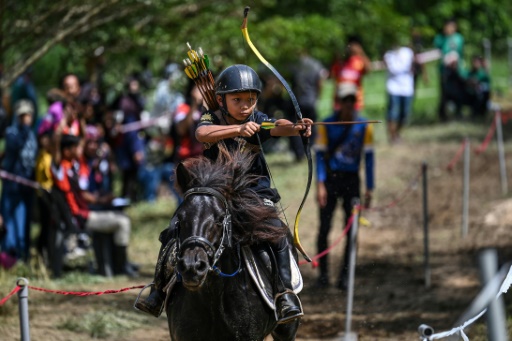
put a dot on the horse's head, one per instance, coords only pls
(204, 230)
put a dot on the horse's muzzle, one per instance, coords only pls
(193, 266)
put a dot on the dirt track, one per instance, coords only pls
(390, 297)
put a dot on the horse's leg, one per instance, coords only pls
(286, 332)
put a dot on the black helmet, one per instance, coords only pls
(237, 78)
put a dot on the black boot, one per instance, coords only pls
(288, 306)
(153, 304)
(121, 264)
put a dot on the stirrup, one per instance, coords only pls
(136, 303)
(287, 319)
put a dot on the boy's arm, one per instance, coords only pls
(288, 128)
(213, 133)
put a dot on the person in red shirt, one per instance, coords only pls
(65, 173)
(186, 119)
(352, 68)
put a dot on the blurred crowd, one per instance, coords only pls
(82, 146)
(101, 153)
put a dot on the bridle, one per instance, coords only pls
(226, 239)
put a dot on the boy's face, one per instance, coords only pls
(241, 104)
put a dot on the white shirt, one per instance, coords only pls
(400, 80)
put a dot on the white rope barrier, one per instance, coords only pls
(505, 285)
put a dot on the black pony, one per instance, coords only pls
(219, 214)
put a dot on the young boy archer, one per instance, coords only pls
(237, 124)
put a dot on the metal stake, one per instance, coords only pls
(23, 308)
(501, 154)
(425, 225)
(465, 190)
(351, 271)
(495, 315)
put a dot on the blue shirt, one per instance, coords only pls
(339, 150)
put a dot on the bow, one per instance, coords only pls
(305, 140)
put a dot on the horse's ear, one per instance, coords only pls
(183, 177)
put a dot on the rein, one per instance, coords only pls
(226, 240)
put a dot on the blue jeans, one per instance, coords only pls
(399, 108)
(16, 207)
(150, 177)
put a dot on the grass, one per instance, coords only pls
(103, 324)
(290, 178)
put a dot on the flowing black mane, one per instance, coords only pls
(229, 175)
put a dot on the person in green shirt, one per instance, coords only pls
(451, 45)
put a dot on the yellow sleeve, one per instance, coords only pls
(321, 141)
(368, 137)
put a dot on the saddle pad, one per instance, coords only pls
(261, 275)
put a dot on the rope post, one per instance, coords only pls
(426, 259)
(501, 154)
(495, 315)
(465, 190)
(349, 336)
(23, 308)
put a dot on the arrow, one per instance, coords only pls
(272, 125)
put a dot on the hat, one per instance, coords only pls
(23, 106)
(346, 89)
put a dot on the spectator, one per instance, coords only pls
(451, 45)
(186, 120)
(308, 77)
(478, 87)
(160, 168)
(400, 88)
(44, 178)
(96, 167)
(71, 86)
(56, 98)
(455, 85)
(129, 147)
(16, 200)
(66, 179)
(339, 151)
(23, 88)
(167, 98)
(354, 65)
(418, 67)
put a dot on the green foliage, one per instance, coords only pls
(128, 30)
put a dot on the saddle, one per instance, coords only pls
(258, 264)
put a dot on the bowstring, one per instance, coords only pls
(273, 183)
